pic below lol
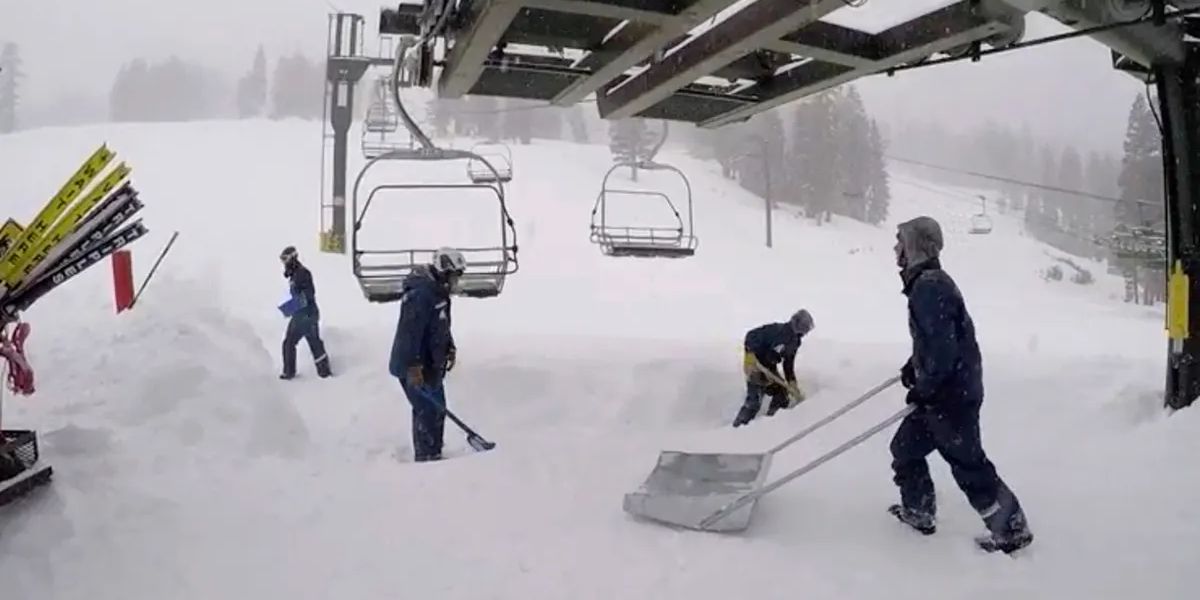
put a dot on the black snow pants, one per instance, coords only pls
(428, 418)
(955, 435)
(308, 328)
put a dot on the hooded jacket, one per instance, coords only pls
(775, 343)
(946, 363)
(300, 285)
(423, 337)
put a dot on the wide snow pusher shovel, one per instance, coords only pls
(718, 491)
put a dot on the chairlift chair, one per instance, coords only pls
(380, 125)
(381, 272)
(981, 223)
(643, 241)
(500, 157)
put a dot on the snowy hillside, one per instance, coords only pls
(185, 469)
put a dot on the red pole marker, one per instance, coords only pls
(122, 264)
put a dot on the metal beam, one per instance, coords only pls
(831, 43)
(816, 53)
(939, 31)
(633, 43)
(484, 26)
(605, 10)
(753, 27)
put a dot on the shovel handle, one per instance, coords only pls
(835, 414)
(750, 497)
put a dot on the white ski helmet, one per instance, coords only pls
(449, 260)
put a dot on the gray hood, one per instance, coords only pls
(921, 239)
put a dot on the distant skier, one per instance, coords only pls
(305, 321)
(944, 377)
(768, 345)
(423, 349)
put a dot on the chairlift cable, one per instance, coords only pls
(1042, 186)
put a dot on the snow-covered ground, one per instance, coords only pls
(185, 469)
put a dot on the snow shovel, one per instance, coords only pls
(718, 491)
(475, 440)
(793, 391)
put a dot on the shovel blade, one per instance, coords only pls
(480, 444)
(684, 488)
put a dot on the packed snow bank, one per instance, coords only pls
(185, 469)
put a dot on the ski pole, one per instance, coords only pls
(149, 275)
(750, 497)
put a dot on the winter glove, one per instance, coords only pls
(908, 377)
(451, 358)
(415, 376)
(797, 390)
(914, 398)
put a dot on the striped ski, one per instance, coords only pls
(34, 256)
(70, 269)
(9, 232)
(118, 208)
(83, 177)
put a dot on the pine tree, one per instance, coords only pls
(578, 126)
(252, 88)
(438, 115)
(852, 140)
(759, 164)
(878, 193)
(814, 156)
(517, 123)
(298, 88)
(1141, 181)
(630, 141)
(127, 97)
(10, 75)
(1070, 176)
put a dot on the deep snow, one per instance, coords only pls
(184, 469)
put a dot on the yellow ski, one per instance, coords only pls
(9, 232)
(54, 208)
(63, 227)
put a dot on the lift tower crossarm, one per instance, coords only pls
(753, 27)
(484, 26)
(951, 27)
(632, 44)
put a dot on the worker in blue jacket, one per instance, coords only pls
(423, 349)
(765, 348)
(305, 320)
(944, 377)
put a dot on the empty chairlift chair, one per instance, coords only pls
(381, 271)
(498, 155)
(981, 223)
(381, 124)
(617, 239)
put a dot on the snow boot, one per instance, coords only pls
(745, 415)
(287, 376)
(323, 370)
(1009, 530)
(922, 522)
(777, 402)
(432, 458)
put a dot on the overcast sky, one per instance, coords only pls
(1067, 91)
